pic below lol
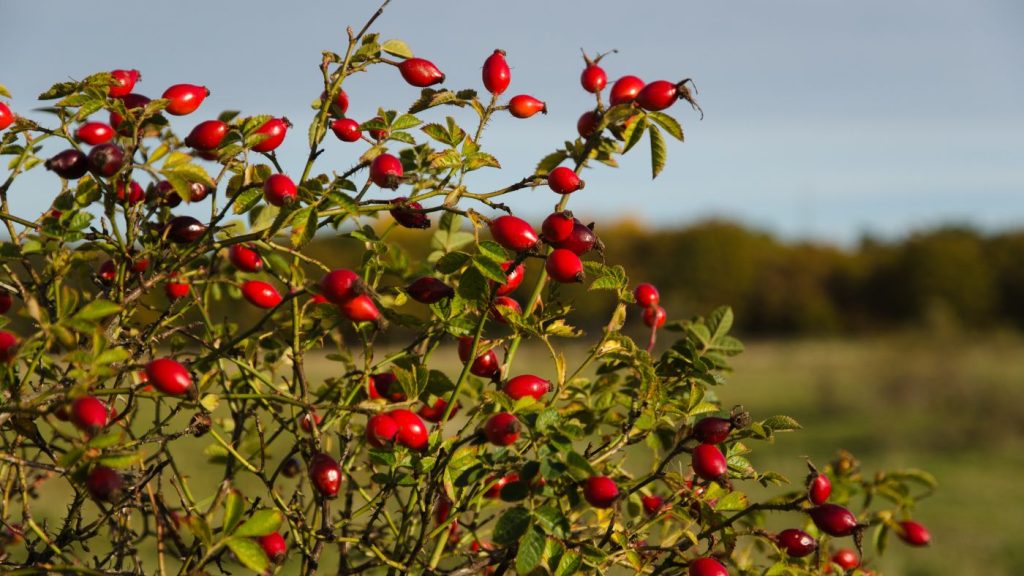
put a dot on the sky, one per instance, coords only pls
(824, 119)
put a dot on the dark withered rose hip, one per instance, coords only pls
(70, 164)
(185, 229)
(106, 159)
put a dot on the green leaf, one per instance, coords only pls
(569, 564)
(121, 461)
(658, 152)
(445, 159)
(451, 262)
(633, 132)
(249, 553)
(4, 92)
(304, 224)
(247, 200)
(97, 310)
(781, 423)
(490, 269)
(511, 526)
(531, 549)
(668, 123)
(405, 121)
(261, 523)
(59, 90)
(193, 173)
(234, 505)
(396, 47)
(479, 160)
(551, 161)
(720, 322)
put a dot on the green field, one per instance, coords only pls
(953, 406)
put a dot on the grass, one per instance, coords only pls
(951, 405)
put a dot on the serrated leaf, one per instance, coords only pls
(247, 200)
(490, 269)
(634, 132)
(569, 564)
(781, 423)
(261, 523)
(531, 550)
(511, 526)
(397, 47)
(658, 151)
(193, 173)
(668, 123)
(249, 553)
(479, 160)
(304, 224)
(234, 505)
(405, 121)
(550, 162)
(451, 262)
(59, 90)
(445, 159)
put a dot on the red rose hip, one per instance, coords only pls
(600, 491)
(89, 413)
(834, 520)
(274, 546)
(564, 266)
(6, 116)
(557, 227)
(381, 430)
(707, 567)
(185, 98)
(207, 135)
(94, 133)
(657, 95)
(524, 106)
(168, 376)
(261, 294)
(340, 286)
(70, 164)
(625, 90)
(526, 385)
(346, 129)
(245, 258)
(796, 543)
(412, 432)
(708, 462)
(279, 190)
(819, 489)
(652, 504)
(655, 316)
(420, 73)
(360, 309)
(593, 79)
(325, 474)
(646, 295)
(8, 347)
(124, 82)
(513, 233)
(502, 429)
(386, 171)
(846, 558)
(515, 278)
(564, 180)
(496, 73)
(914, 533)
(275, 129)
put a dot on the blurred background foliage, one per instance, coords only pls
(941, 277)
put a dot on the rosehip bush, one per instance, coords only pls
(121, 352)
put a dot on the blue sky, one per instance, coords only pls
(824, 119)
